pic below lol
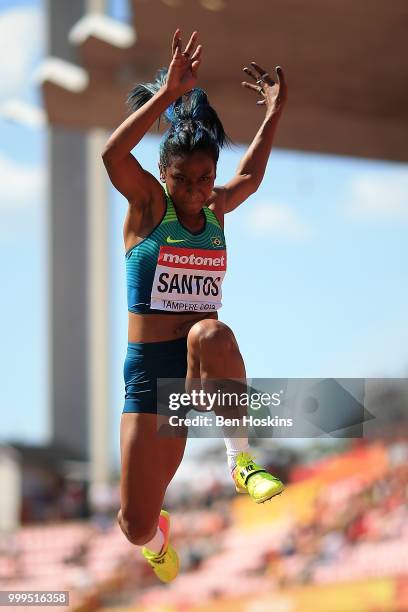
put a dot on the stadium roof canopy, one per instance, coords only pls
(346, 65)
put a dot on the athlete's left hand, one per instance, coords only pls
(273, 90)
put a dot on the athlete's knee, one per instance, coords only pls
(213, 335)
(137, 530)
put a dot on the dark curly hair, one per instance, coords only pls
(194, 124)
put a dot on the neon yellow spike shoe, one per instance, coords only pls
(165, 563)
(251, 478)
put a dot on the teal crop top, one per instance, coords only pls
(174, 270)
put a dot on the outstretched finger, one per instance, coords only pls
(258, 68)
(256, 88)
(281, 78)
(263, 74)
(250, 73)
(195, 66)
(176, 44)
(197, 53)
(190, 45)
(196, 60)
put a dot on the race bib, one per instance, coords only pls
(188, 279)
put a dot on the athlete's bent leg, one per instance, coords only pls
(215, 361)
(148, 462)
(214, 358)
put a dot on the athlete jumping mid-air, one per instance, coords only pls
(174, 232)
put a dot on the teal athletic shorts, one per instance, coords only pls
(146, 362)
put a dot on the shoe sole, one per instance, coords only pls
(262, 501)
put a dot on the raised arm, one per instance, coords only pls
(125, 172)
(252, 166)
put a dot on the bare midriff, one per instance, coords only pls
(158, 328)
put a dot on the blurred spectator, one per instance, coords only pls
(102, 503)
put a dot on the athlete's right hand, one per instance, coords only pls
(183, 70)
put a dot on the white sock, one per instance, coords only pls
(156, 543)
(234, 447)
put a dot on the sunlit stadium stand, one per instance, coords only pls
(341, 528)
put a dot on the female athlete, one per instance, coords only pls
(175, 261)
